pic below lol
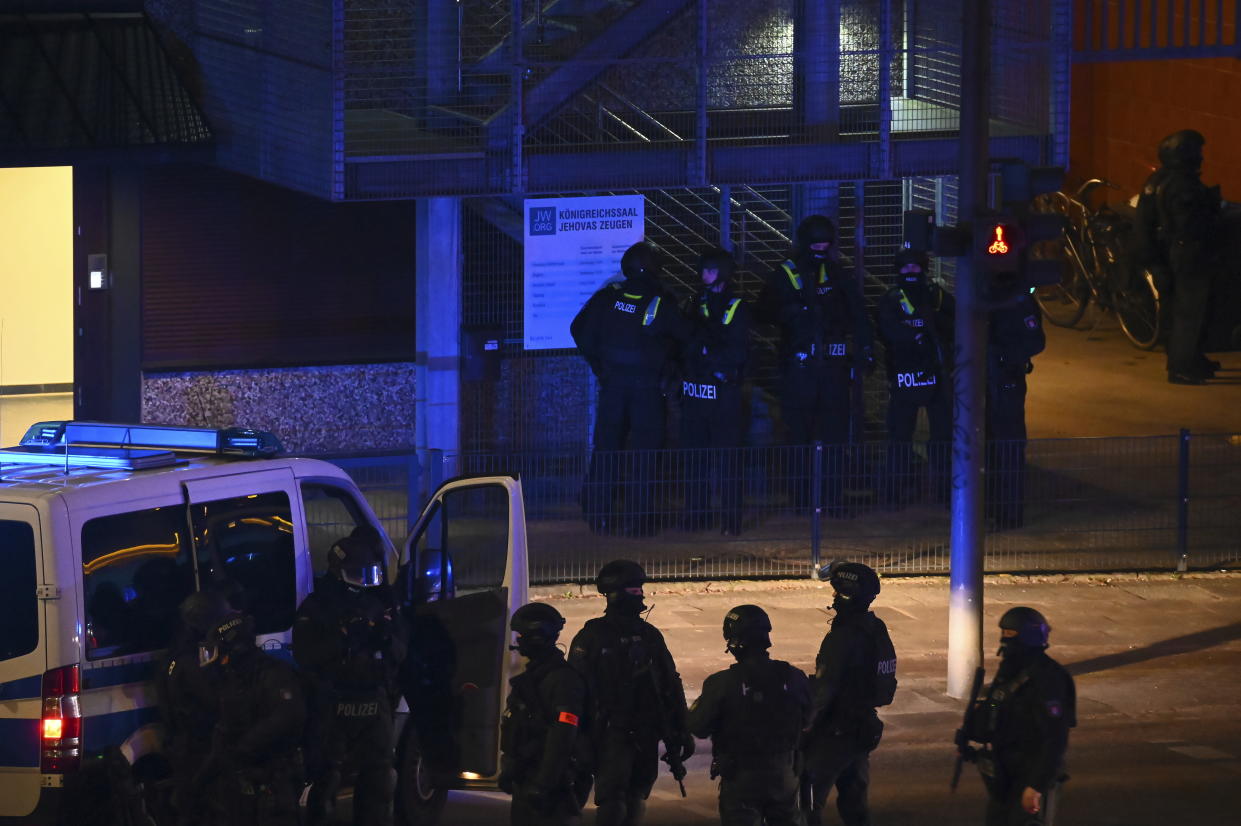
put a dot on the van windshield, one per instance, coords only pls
(19, 604)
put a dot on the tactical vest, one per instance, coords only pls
(986, 720)
(829, 339)
(527, 720)
(627, 319)
(729, 311)
(883, 656)
(762, 718)
(628, 688)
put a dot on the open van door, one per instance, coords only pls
(463, 572)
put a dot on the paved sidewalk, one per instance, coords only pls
(1157, 660)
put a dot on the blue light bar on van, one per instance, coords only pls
(236, 441)
(108, 458)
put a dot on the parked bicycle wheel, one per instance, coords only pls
(1138, 310)
(1064, 303)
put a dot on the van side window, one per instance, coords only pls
(245, 550)
(331, 515)
(19, 607)
(135, 572)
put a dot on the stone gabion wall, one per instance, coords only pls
(314, 410)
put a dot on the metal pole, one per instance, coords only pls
(969, 374)
(816, 498)
(1182, 505)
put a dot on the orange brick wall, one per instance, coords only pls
(1120, 112)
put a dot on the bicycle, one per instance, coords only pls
(1097, 269)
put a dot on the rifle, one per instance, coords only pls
(677, 768)
(964, 750)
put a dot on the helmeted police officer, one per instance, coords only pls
(855, 672)
(628, 332)
(541, 766)
(713, 368)
(635, 693)
(826, 342)
(254, 769)
(350, 638)
(1015, 337)
(754, 713)
(1182, 254)
(915, 323)
(189, 702)
(1023, 721)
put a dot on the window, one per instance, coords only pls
(469, 529)
(331, 515)
(135, 572)
(19, 607)
(245, 549)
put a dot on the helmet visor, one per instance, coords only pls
(365, 576)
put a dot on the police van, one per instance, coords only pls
(106, 528)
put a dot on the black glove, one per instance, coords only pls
(685, 748)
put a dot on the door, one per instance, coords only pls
(463, 573)
(246, 545)
(23, 658)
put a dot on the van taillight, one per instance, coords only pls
(61, 729)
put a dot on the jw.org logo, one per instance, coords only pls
(542, 220)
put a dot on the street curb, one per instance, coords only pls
(586, 590)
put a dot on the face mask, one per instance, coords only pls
(531, 646)
(627, 604)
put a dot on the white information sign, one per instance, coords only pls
(573, 247)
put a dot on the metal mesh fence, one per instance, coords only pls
(568, 95)
(1061, 505)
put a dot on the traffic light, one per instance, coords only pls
(1042, 255)
(999, 249)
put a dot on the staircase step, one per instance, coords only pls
(481, 114)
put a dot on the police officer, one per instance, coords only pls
(711, 399)
(254, 769)
(1186, 223)
(350, 639)
(1023, 721)
(855, 672)
(913, 318)
(546, 707)
(628, 332)
(1015, 337)
(636, 697)
(826, 340)
(188, 702)
(754, 713)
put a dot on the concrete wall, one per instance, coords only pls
(1120, 112)
(36, 276)
(365, 407)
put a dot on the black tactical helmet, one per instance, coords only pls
(908, 256)
(857, 584)
(618, 575)
(231, 634)
(358, 559)
(1182, 150)
(1028, 627)
(747, 624)
(202, 610)
(718, 258)
(641, 262)
(537, 619)
(816, 229)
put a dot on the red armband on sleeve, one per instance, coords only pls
(566, 717)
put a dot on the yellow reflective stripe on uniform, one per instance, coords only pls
(823, 273)
(703, 306)
(631, 295)
(652, 310)
(794, 278)
(906, 304)
(732, 308)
